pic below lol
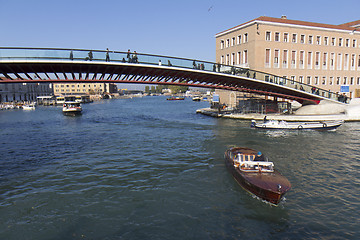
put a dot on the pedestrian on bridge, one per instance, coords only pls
(135, 57)
(128, 55)
(90, 54)
(107, 59)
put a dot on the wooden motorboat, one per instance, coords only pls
(176, 98)
(275, 124)
(256, 174)
(72, 108)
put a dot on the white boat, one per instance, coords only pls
(72, 108)
(275, 124)
(29, 107)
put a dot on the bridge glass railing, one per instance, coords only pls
(115, 56)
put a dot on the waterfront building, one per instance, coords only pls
(323, 55)
(77, 88)
(18, 92)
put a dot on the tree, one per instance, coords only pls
(178, 89)
(153, 90)
(147, 89)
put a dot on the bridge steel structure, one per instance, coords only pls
(54, 65)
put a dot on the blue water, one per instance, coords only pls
(147, 168)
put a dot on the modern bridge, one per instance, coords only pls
(39, 65)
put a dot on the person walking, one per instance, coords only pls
(107, 59)
(90, 54)
(135, 57)
(128, 55)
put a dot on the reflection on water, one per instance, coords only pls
(153, 169)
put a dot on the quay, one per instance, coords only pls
(324, 111)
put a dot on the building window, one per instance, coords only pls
(333, 41)
(316, 80)
(276, 59)
(358, 81)
(354, 43)
(308, 80)
(222, 43)
(233, 58)
(347, 42)
(286, 37)
(345, 81)
(353, 62)
(239, 39)
(340, 42)
(245, 56)
(339, 61)
(301, 63)
(309, 62)
(352, 81)
(293, 59)
(233, 41)
(318, 40)
(227, 43)
(268, 36)
(338, 81)
(294, 38)
(246, 38)
(310, 39)
(323, 82)
(317, 60)
(325, 61)
(331, 81)
(285, 58)
(332, 61)
(302, 38)
(326, 41)
(301, 79)
(227, 59)
(346, 62)
(239, 58)
(277, 37)
(222, 60)
(267, 58)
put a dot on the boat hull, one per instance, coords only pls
(72, 113)
(299, 126)
(263, 185)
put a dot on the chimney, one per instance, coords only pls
(283, 17)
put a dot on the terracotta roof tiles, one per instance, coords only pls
(346, 26)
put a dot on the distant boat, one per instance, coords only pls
(29, 107)
(256, 174)
(72, 108)
(196, 98)
(275, 124)
(176, 98)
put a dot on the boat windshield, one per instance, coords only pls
(252, 163)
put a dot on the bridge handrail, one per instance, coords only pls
(118, 56)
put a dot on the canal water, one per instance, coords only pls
(147, 168)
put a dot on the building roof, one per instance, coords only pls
(351, 26)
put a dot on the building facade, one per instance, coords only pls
(84, 88)
(323, 55)
(19, 92)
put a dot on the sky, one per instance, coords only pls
(182, 28)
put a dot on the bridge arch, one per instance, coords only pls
(22, 65)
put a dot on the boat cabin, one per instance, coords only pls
(248, 162)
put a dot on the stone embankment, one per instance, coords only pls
(324, 111)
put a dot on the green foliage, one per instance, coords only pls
(147, 89)
(178, 89)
